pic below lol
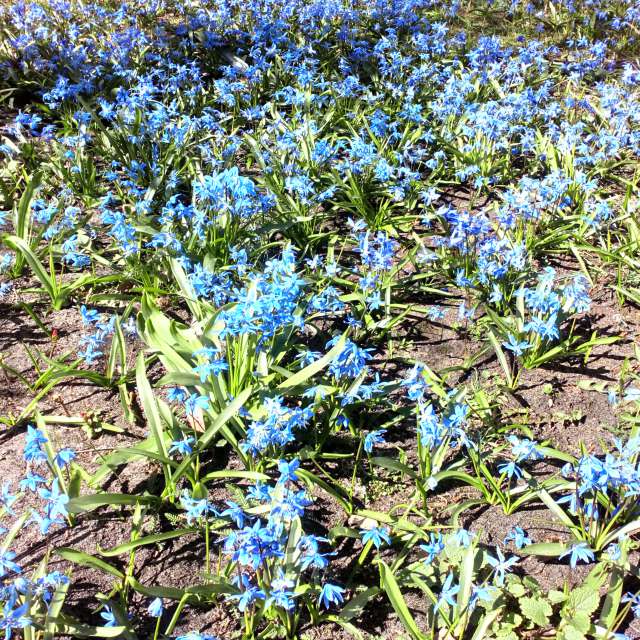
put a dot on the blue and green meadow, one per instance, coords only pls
(320, 319)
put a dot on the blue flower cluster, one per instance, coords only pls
(271, 554)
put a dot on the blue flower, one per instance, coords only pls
(464, 538)
(614, 551)
(501, 565)
(634, 599)
(330, 594)
(183, 447)
(478, 593)
(377, 535)
(156, 608)
(511, 469)
(31, 481)
(89, 316)
(176, 394)
(248, 596)
(33, 445)
(14, 618)
(434, 547)
(518, 347)
(196, 402)
(350, 362)
(374, 438)
(56, 501)
(447, 593)
(195, 509)
(580, 552)
(7, 564)
(281, 592)
(310, 554)
(235, 513)
(64, 457)
(108, 616)
(7, 499)
(519, 537)
(288, 470)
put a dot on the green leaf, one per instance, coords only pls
(502, 359)
(141, 542)
(87, 560)
(47, 281)
(231, 473)
(583, 600)
(347, 626)
(219, 422)
(223, 417)
(547, 549)
(123, 456)
(53, 611)
(466, 577)
(335, 491)
(487, 620)
(612, 600)
(356, 606)
(13, 532)
(309, 371)
(21, 219)
(398, 602)
(579, 625)
(151, 411)
(556, 597)
(394, 465)
(537, 610)
(66, 626)
(87, 503)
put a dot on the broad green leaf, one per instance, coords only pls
(547, 549)
(141, 542)
(582, 600)
(53, 611)
(87, 560)
(66, 626)
(502, 358)
(394, 465)
(466, 577)
(218, 423)
(309, 371)
(612, 600)
(356, 606)
(398, 602)
(151, 411)
(536, 609)
(87, 503)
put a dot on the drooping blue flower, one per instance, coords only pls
(375, 535)
(374, 438)
(108, 616)
(330, 594)
(580, 552)
(156, 608)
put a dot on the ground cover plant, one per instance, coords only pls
(319, 319)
